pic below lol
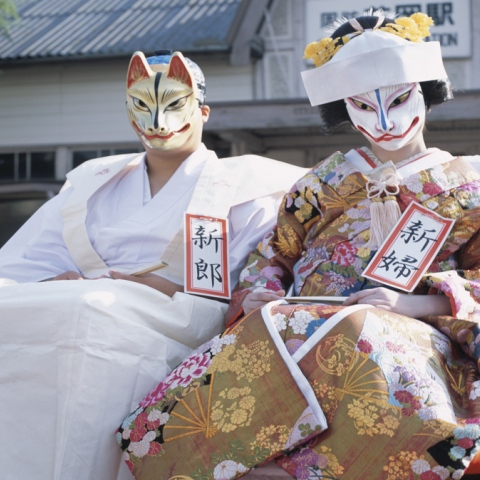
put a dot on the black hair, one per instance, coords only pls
(334, 114)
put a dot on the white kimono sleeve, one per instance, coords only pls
(250, 222)
(37, 251)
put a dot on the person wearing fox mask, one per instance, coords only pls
(82, 353)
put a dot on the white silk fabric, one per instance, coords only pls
(77, 356)
(77, 361)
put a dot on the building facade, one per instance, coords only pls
(63, 67)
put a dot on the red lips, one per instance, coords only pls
(387, 137)
(161, 137)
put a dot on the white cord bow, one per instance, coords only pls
(387, 186)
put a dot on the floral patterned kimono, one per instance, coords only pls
(401, 396)
(388, 397)
(320, 243)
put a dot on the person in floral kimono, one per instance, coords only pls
(394, 367)
(321, 245)
(369, 366)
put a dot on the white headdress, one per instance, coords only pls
(372, 58)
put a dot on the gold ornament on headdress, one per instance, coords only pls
(321, 52)
(414, 28)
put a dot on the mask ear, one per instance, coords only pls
(178, 70)
(138, 69)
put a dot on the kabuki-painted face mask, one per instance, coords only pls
(389, 117)
(161, 102)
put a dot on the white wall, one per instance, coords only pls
(84, 102)
(59, 104)
(226, 83)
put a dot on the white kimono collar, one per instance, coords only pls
(414, 164)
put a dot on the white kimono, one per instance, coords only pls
(77, 356)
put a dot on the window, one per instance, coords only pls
(21, 166)
(7, 166)
(80, 156)
(42, 165)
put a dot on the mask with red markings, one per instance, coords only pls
(389, 117)
(162, 101)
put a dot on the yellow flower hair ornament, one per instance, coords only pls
(323, 51)
(414, 28)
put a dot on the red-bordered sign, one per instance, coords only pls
(206, 256)
(409, 250)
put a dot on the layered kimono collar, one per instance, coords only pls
(188, 171)
(364, 159)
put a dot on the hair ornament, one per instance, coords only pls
(322, 51)
(414, 28)
(355, 24)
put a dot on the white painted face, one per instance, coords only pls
(161, 104)
(389, 117)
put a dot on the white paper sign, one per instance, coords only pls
(410, 249)
(206, 256)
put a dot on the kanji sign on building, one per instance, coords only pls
(452, 19)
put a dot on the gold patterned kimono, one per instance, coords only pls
(400, 396)
(320, 244)
(369, 370)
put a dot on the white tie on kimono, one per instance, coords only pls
(74, 214)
